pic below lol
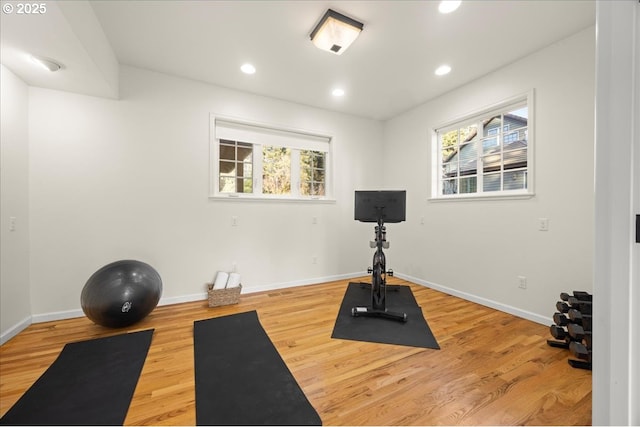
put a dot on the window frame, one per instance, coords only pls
(257, 154)
(476, 116)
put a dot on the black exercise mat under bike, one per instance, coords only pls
(241, 378)
(414, 332)
(90, 383)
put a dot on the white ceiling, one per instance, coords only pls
(388, 70)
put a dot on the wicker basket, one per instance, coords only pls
(218, 297)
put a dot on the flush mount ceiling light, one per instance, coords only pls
(337, 92)
(335, 32)
(448, 6)
(45, 63)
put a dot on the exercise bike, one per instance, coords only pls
(394, 203)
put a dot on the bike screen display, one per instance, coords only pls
(387, 205)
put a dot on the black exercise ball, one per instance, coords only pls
(121, 293)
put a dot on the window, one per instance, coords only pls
(236, 167)
(312, 173)
(486, 154)
(257, 161)
(276, 170)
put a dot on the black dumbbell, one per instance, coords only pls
(577, 332)
(580, 351)
(576, 316)
(558, 332)
(560, 319)
(581, 295)
(562, 307)
(583, 306)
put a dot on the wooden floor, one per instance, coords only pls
(492, 368)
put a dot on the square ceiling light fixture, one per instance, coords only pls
(335, 32)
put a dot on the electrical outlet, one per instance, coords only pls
(543, 224)
(12, 223)
(234, 221)
(314, 260)
(314, 220)
(234, 267)
(522, 282)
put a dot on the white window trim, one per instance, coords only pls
(436, 175)
(257, 195)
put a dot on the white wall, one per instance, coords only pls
(478, 248)
(129, 179)
(15, 303)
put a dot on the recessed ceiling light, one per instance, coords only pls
(337, 92)
(448, 6)
(45, 63)
(442, 70)
(248, 69)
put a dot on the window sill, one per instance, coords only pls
(277, 199)
(476, 197)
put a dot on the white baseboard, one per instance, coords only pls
(534, 317)
(57, 315)
(15, 329)
(314, 281)
(262, 288)
(182, 298)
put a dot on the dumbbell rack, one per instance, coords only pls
(572, 327)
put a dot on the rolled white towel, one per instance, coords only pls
(221, 280)
(234, 280)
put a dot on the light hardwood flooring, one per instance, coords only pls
(492, 369)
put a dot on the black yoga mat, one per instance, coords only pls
(241, 378)
(414, 332)
(90, 383)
